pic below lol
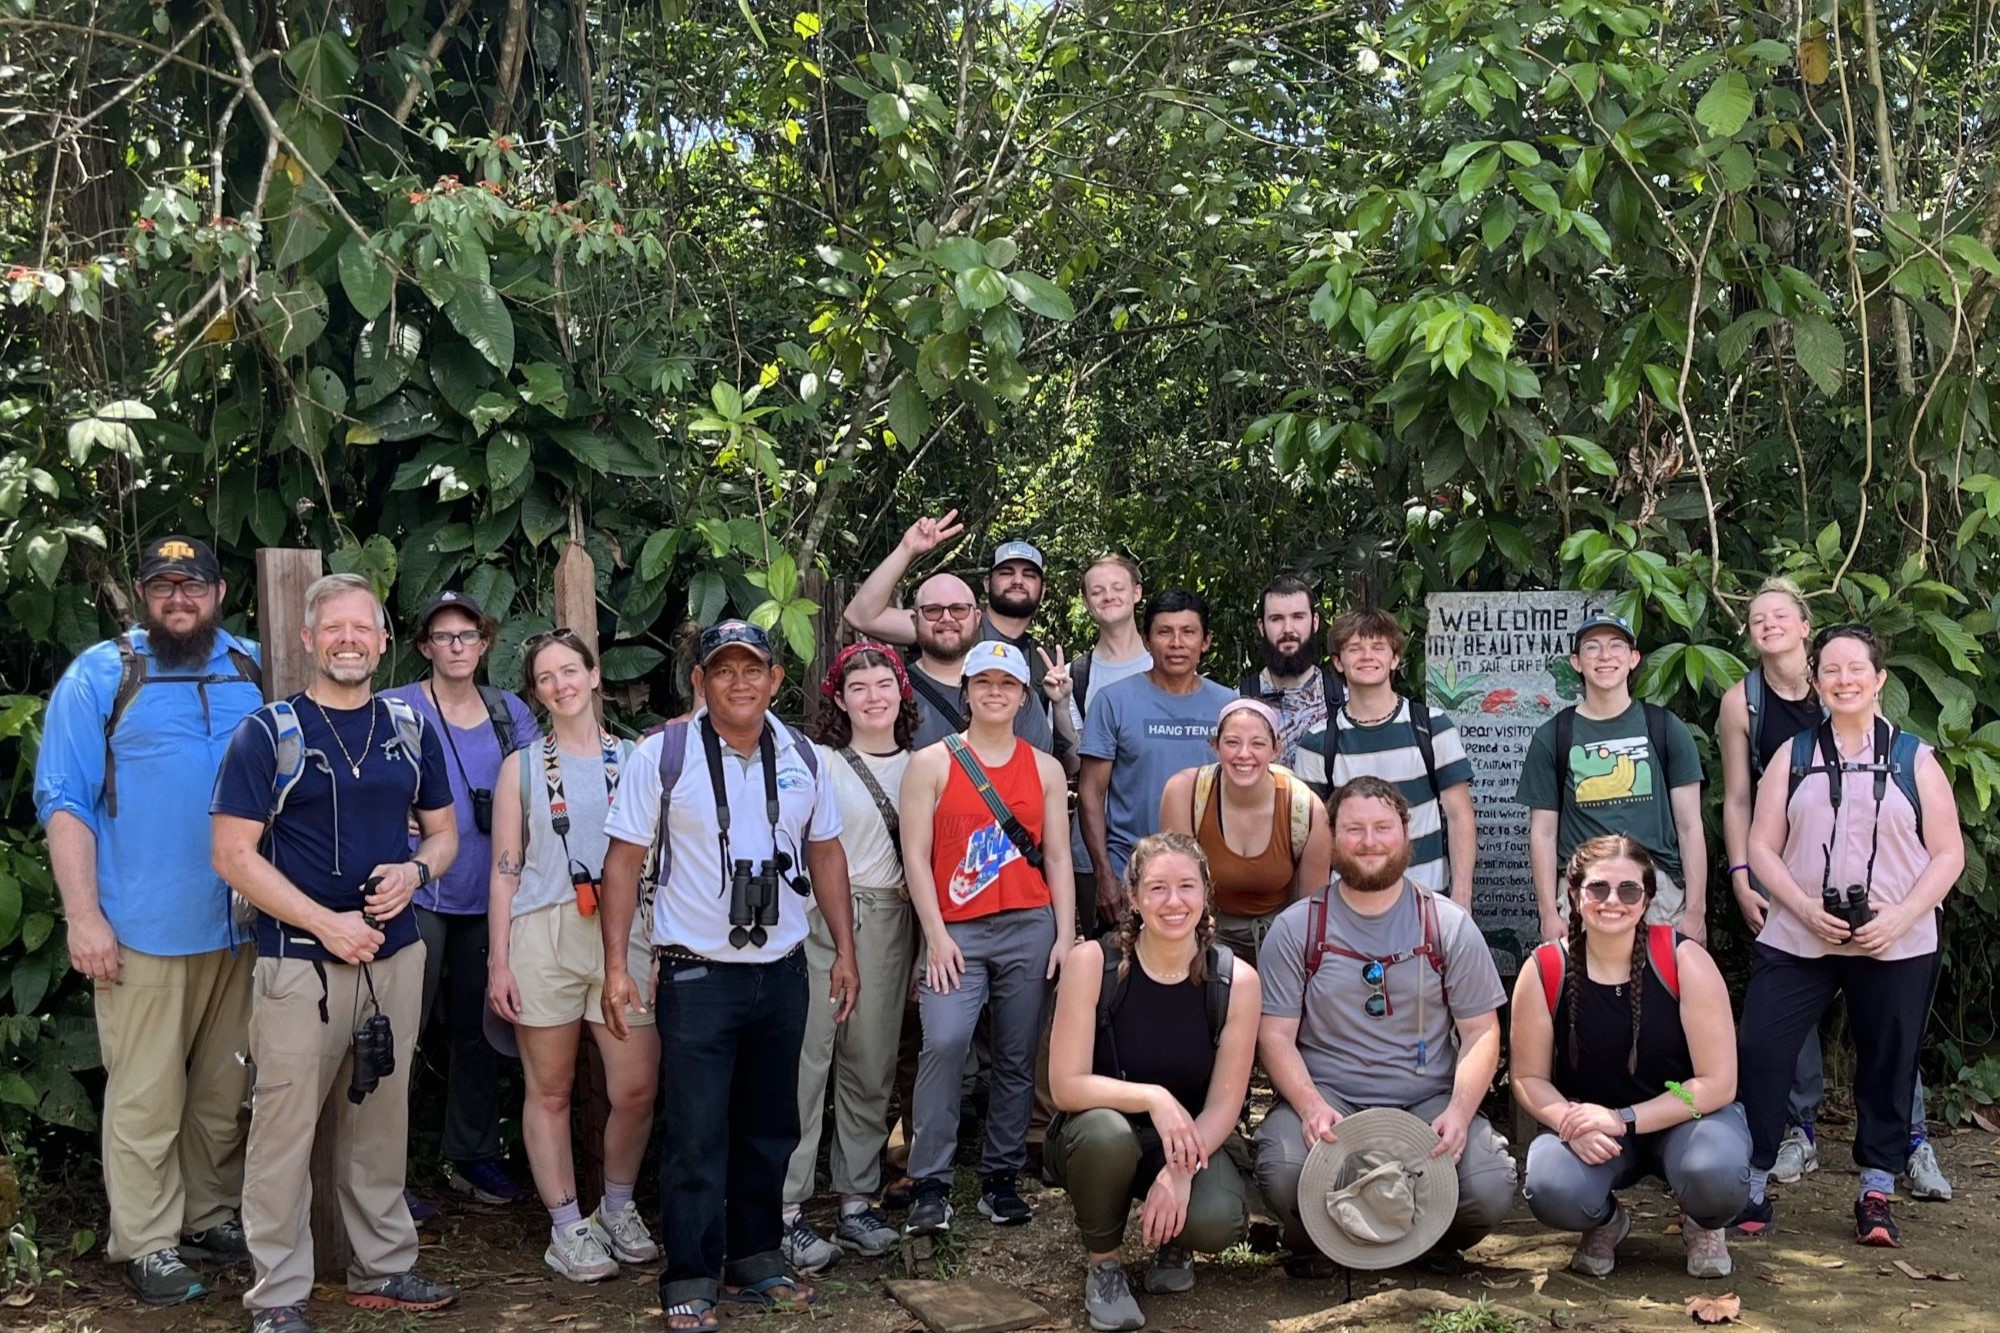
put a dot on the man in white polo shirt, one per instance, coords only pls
(749, 818)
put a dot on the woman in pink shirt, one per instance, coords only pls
(1856, 836)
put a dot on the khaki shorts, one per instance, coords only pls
(557, 954)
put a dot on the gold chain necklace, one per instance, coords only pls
(353, 764)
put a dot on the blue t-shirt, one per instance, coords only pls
(1148, 735)
(335, 827)
(462, 890)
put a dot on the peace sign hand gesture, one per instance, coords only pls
(1055, 680)
(927, 534)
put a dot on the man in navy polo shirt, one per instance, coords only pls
(331, 874)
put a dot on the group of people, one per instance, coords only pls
(772, 937)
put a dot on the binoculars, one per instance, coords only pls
(374, 1056)
(753, 898)
(1850, 905)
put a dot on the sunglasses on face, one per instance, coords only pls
(1630, 892)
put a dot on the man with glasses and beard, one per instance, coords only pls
(134, 733)
(1292, 681)
(1378, 992)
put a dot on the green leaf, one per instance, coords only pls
(489, 410)
(506, 458)
(1733, 343)
(322, 64)
(1591, 454)
(1466, 544)
(960, 254)
(541, 517)
(1593, 231)
(1954, 697)
(314, 131)
(909, 412)
(1951, 636)
(1827, 544)
(268, 517)
(980, 288)
(296, 234)
(707, 595)
(383, 359)
(1043, 297)
(368, 282)
(544, 385)
(1726, 105)
(294, 318)
(1477, 176)
(797, 625)
(404, 416)
(1821, 351)
(1970, 250)
(888, 114)
(1455, 160)
(1536, 191)
(658, 553)
(629, 661)
(1001, 252)
(586, 446)
(1665, 385)
(480, 315)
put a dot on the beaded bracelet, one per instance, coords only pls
(1685, 1096)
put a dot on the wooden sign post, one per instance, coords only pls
(282, 579)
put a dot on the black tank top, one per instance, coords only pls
(1159, 1035)
(1781, 720)
(1604, 1043)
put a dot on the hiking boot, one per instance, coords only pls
(402, 1291)
(805, 1249)
(866, 1232)
(1874, 1224)
(1927, 1179)
(1707, 1249)
(930, 1210)
(577, 1254)
(1756, 1219)
(1108, 1298)
(1797, 1156)
(624, 1234)
(1597, 1251)
(1172, 1271)
(161, 1278)
(1001, 1202)
(280, 1319)
(484, 1181)
(225, 1244)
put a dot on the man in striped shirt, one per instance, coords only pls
(1380, 733)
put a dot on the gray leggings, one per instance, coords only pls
(1705, 1162)
(1105, 1161)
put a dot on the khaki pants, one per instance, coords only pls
(861, 1054)
(171, 1031)
(300, 1062)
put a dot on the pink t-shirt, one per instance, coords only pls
(1900, 856)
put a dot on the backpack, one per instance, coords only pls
(673, 762)
(1423, 726)
(1660, 945)
(1431, 949)
(1299, 799)
(289, 744)
(1215, 991)
(134, 675)
(1901, 766)
(1656, 736)
(1754, 690)
(501, 716)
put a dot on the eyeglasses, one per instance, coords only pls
(1630, 892)
(1375, 975)
(1607, 646)
(445, 638)
(940, 610)
(160, 590)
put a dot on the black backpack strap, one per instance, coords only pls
(935, 695)
(1753, 705)
(1657, 731)
(1565, 736)
(1332, 689)
(500, 716)
(1422, 725)
(1251, 686)
(1215, 995)
(131, 679)
(1079, 678)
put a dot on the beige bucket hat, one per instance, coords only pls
(1375, 1198)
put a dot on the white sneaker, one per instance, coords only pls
(578, 1255)
(1926, 1177)
(805, 1249)
(1797, 1156)
(624, 1234)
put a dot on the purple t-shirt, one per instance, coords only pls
(461, 890)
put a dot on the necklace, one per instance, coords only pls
(1370, 721)
(353, 764)
(1165, 978)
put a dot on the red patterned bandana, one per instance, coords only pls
(829, 688)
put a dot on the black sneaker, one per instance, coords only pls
(222, 1242)
(1001, 1202)
(1874, 1224)
(280, 1319)
(1756, 1219)
(160, 1278)
(930, 1209)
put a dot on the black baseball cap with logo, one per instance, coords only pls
(451, 600)
(1603, 620)
(189, 557)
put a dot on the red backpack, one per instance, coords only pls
(1660, 944)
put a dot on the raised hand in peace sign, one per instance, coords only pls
(1055, 680)
(927, 534)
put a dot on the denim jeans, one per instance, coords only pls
(730, 1039)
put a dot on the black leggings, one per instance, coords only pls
(1887, 1003)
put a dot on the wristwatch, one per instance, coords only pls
(423, 873)
(1631, 1119)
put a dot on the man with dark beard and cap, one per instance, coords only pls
(134, 733)
(1378, 992)
(1291, 681)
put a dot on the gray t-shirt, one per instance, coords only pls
(545, 871)
(1148, 735)
(1410, 1053)
(1103, 675)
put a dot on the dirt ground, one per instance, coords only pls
(1809, 1275)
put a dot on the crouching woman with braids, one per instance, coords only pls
(1624, 1050)
(1149, 1063)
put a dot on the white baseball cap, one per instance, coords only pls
(993, 655)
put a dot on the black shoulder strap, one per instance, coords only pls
(1332, 689)
(1565, 736)
(1753, 705)
(1111, 988)
(500, 716)
(1010, 824)
(1251, 686)
(1422, 726)
(1079, 678)
(1221, 975)
(935, 694)
(1657, 731)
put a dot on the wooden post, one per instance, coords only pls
(830, 635)
(282, 579)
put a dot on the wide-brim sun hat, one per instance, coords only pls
(500, 1034)
(1374, 1197)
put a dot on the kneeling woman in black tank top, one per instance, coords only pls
(1150, 1096)
(1627, 1054)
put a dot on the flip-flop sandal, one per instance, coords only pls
(758, 1294)
(696, 1308)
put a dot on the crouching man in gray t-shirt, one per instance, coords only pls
(1379, 993)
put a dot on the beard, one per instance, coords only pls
(179, 649)
(1353, 875)
(1008, 605)
(941, 650)
(1282, 663)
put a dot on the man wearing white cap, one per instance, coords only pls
(986, 851)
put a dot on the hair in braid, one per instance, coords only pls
(1150, 849)
(1580, 863)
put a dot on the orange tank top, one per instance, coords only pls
(1250, 885)
(978, 870)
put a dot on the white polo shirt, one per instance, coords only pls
(691, 908)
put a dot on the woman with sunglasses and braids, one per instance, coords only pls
(1624, 1051)
(545, 960)
(1856, 836)
(1155, 1030)
(868, 713)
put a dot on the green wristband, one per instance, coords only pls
(1685, 1096)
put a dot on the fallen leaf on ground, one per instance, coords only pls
(1911, 1271)
(1981, 1119)
(1775, 1279)
(1833, 1263)
(1923, 1305)
(1724, 1309)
